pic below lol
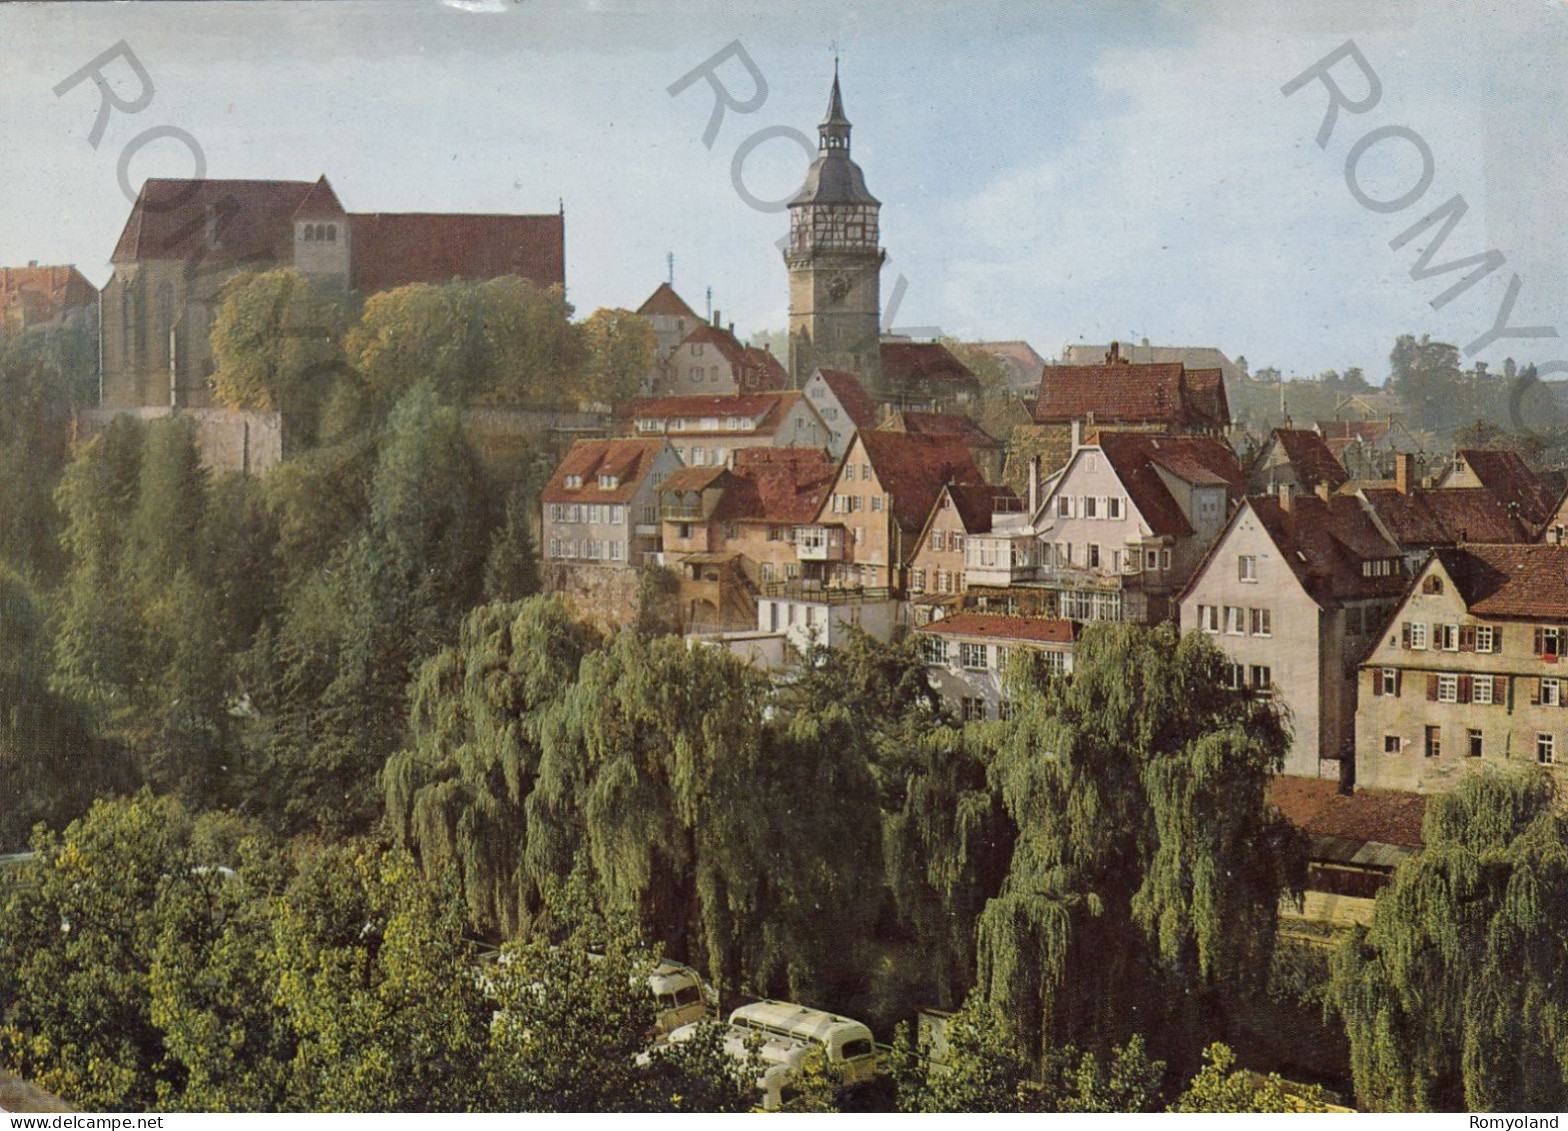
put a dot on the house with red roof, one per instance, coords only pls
(1163, 398)
(185, 239)
(870, 525)
(600, 521)
(962, 513)
(926, 377)
(672, 319)
(1527, 494)
(1423, 519)
(1468, 673)
(1124, 525)
(711, 361)
(46, 298)
(1297, 459)
(707, 430)
(985, 448)
(1294, 591)
(968, 654)
(842, 402)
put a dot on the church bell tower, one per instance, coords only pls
(835, 303)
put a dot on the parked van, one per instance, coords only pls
(781, 1058)
(682, 996)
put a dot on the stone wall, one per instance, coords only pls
(603, 595)
(229, 439)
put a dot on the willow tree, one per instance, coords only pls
(1456, 997)
(746, 844)
(456, 795)
(1144, 884)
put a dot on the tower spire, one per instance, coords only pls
(833, 133)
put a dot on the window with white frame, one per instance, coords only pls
(1262, 622)
(1235, 677)
(1448, 637)
(1481, 689)
(1235, 621)
(1113, 507)
(1545, 748)
(933, 649)
(1417, 635)
(1209, 617)
(1392, 744)
(1165, 560)
(1448, 688)
(1090, 507)
(1094, 556)
(1064, 506)
(1484, 638)
(975, 657)
(1551, 692)
(1247, 567)
(1262, 677)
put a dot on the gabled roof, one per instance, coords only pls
(1510, 580)
(908, 361)
(1023, 364)
(44, 292)
(1199, 460)
(1367, 431)
(251, 221)
(693, 478)
(1325, 544)
(960, 428)
(1374, 816)
(1424, 518)
(725, 342)
(1036, 630)
(766, 371)
(782, 485)
(1122, 392)
(914, 469)
(1309, 457)
(974, 503)
(1506, 475)
(320, 203)
(851, 397)
(395, 249)
(664, 301)
(629, 460)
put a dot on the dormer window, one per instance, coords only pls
(608, 482)
(733, 423)
(574, 481)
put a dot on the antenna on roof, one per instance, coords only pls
(669, 260)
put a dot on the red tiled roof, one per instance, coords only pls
(978, 502)
(1325, 544)
(629, 460)
(253, 221)
(693, 478)
(906, 361)
(665, 301)
(1511, 580)
(395, 249)
(1446, 517)
(913, 470)
(1310, 458)
(320, 203)
(782, 485)
(941, 424)
(1019, 357)
(44, 293)
(767, 372)
(996, 627)
(1121, 392)
(1506, 475)
(1196, 459)
(1374, 816)
(851, 396)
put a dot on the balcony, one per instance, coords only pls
(824, 595)
(677, 512)
(820, 543)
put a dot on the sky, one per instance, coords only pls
(1056, 172)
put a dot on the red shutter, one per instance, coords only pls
(1399, 678)
(1540, 641)
(1377, 681)
(1404, 635)
(1465, 685)
(1467, 638)
(1431, 688)
(1497, 640)
(1500, 689)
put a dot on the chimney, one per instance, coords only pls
(718, 322)
(1077, 435)
(1115, 355)
(32, 263)
(1034, 486)
(1404, 472)
(732, 329)
(1285, 494)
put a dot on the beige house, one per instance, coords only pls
(967, 654)
(601, 521)
(1294, 592)
(869, 527)
(1124, 526)
(1468, 674)
(707, 431)
(962, 512)
(711, 359)
(841, 401)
